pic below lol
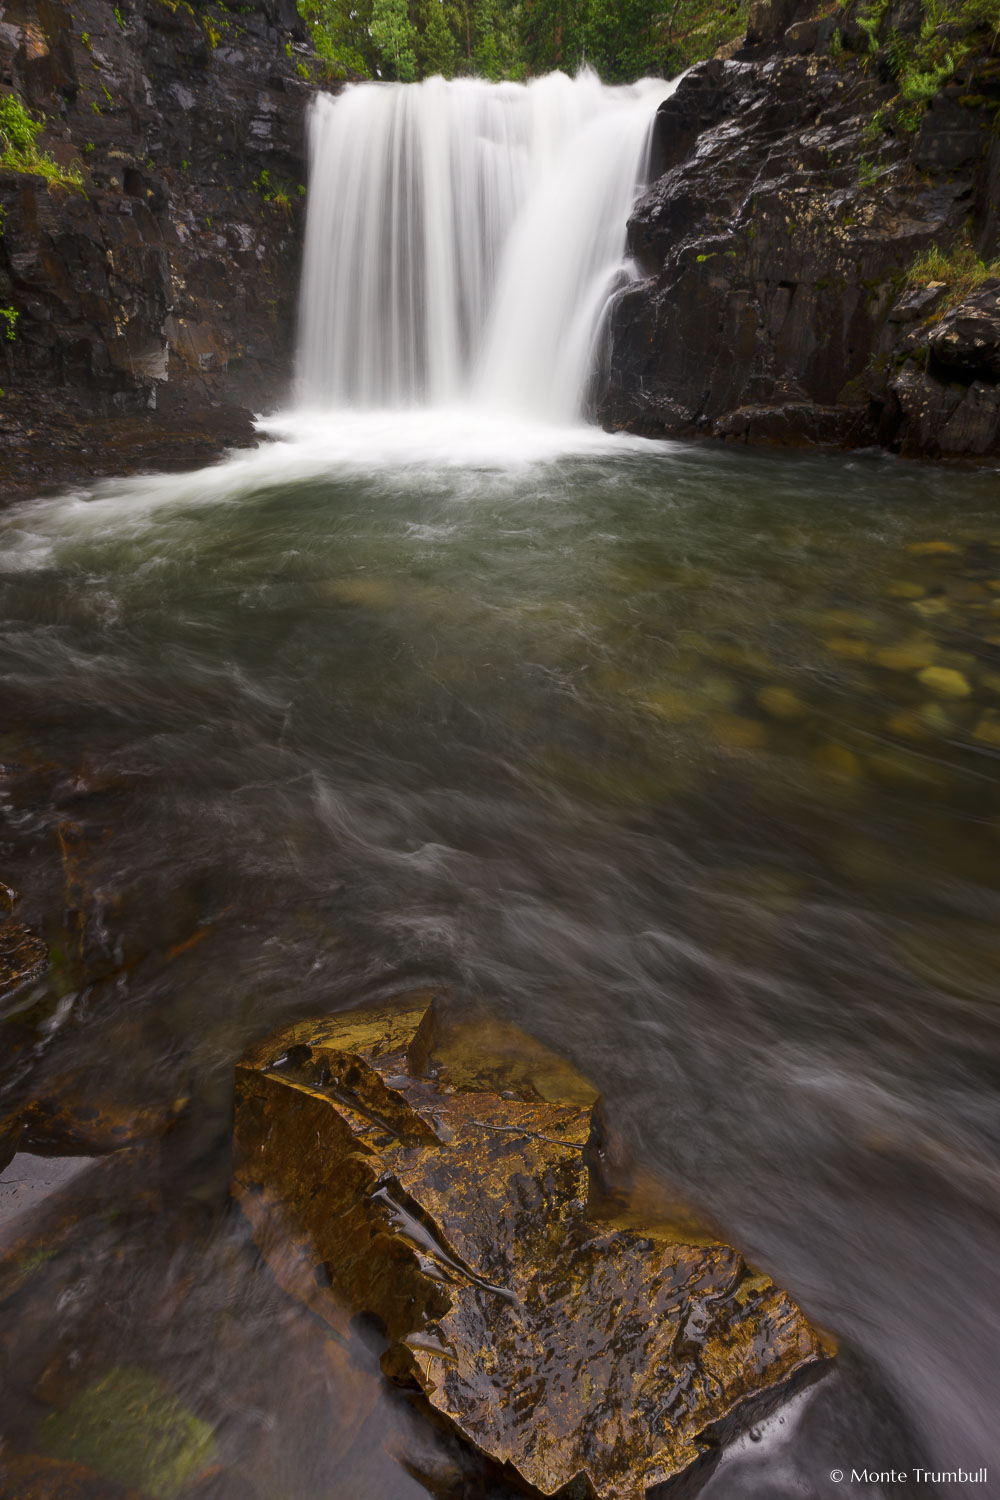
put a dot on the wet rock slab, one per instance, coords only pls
(444, 1176)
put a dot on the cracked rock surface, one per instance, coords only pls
(444, 1175)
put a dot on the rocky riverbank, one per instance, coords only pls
(149, 305)
(782, 296)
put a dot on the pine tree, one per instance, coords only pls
(626, 42)
(552, 34)
(436, 44)
(394, 35)
(486, 52)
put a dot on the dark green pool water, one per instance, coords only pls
(686, 758)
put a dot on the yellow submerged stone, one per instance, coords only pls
(781, 702)
(443, 1174)
(933, 549)
(945, 681)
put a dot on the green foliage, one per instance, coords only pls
(395, 38)
(868, 173)
(19, 151)
(919, 88)
(516, 38)
(436, 42)
(552, 34)
(488, 38)
(625, 42)
(341, 34)
(952, 35)
(9, 317)
(406, 39)
(119, 18)
(17, 128)
(870, 20)
(960, 268)
(875, 126)
(278, 195)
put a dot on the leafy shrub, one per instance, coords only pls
(952, 34)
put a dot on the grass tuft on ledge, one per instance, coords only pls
(19, 151)
(960, 268)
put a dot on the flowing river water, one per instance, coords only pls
(683, 757)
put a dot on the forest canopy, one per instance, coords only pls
(516, 39)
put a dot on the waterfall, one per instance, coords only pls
(463, 240)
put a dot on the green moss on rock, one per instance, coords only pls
(130, 1427)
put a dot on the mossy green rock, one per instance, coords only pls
(132, 1429)
(443, 1174)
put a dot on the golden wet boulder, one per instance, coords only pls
(23, 955)
(444, 1175)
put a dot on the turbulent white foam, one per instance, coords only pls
(461, 451)
(444, 440)
(463, 240)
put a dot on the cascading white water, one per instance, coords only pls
(463, 239)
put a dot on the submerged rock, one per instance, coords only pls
(30, 1476)
(945, 681)
(444, 1175)
(133, 1430)
(23, 955)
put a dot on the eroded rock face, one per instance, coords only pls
(773, 242)
(965, 344)
(156, 307)
(444, 1176)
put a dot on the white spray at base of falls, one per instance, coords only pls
(463, 240)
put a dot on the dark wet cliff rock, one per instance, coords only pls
(154, 305)
(774, 244)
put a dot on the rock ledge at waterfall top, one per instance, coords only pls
(444, 1176)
